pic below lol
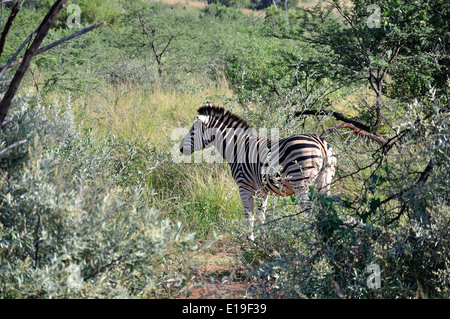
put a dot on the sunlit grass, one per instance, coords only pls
(202, 196)
(149, 114)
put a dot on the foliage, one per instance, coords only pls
(70, 227)
(232, 3)
(331, 252)
(94, 11)
(366, 41)
(391, 220)
(90, 205)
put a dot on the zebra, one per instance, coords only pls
(262, 166)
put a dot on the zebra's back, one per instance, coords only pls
(297, 162)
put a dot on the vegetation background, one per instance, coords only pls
(92, 205)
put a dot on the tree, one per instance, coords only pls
(359, 47)
(425, 61)
(24, 62)
(156, 34)
(362, 43)
(40, 34)
(257, 4)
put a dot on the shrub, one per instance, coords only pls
(330, 255)
(386, 215)
(69, 227)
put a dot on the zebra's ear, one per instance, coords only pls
(203, 118)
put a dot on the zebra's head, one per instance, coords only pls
(199, 136)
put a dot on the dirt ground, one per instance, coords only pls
(223, 274)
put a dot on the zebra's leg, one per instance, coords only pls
(261, 212)
(249, 205)
(300, 189)
(322, 185)
(325, 178)
(303, 197)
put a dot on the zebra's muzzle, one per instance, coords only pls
(186, 150)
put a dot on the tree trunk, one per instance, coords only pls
(41, 32)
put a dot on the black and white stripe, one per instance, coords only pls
(261, 166)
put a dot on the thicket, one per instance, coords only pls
(69, 226)
(387, 216)
(88, 212)
(390, 205)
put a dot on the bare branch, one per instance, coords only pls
(356, 131)
(152, 39)
(11, 60)
(9, 121)
(336, 115)
(422, 179)
(5, 151)
(363, 49)
(168, 43)
(426, 173)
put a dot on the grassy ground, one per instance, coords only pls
(200, 195)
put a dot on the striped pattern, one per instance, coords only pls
(262, 166)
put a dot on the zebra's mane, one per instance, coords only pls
(231, 120)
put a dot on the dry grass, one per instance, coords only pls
(349, 104)
(131, 112)
(189, 193)
(307, 4)
(188, 4)
(201, 4)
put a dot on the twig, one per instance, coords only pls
(338, 289)
(287, 216)
(37, 240)
(8, 121)
(11, 60)
(158, 56)
(108, 265)
(34, 80)
(4, 151)
(426, 173)
(422, 179)
(336, 115)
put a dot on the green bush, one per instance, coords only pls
(232, 3)
(254, 4)
(91, 11)
(331, 253)
(70, 227)
(383, 217)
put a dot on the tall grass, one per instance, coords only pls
(202, 196)
(130, 111)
